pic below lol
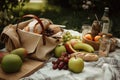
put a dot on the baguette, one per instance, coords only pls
(86, 56)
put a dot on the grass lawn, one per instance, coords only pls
(71, 18)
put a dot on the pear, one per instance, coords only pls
(11, 63)
(22, 52)
(1, 56)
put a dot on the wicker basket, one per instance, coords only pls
(95, 45)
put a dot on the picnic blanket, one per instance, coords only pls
(106, 68)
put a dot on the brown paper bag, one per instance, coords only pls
(14, 37)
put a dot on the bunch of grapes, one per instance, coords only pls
(61, 62)
(68, 36)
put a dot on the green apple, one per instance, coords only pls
(59, 50)
(11, 63)
(76, 64)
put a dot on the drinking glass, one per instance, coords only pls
(86, 29)
(104, 47)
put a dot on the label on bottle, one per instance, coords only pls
(105, 28)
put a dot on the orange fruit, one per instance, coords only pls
(88, 36)
(96, 38)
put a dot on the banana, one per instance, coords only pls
(83, 46)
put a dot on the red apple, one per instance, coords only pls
(69, 48)
(74, 41)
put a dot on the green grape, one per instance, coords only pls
(64, 36)
(68, 36)
(67, 33)
(78, 37)
(68, 39)
(75, 37)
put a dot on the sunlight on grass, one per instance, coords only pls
(37, 1)
(71, 18)
(34, 6)
(40, 7)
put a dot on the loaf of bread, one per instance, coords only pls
(49, 27)
(35, 27)
(86, 56)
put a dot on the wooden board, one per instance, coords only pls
(28, 67)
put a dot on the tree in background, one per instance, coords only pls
(94, 6)
(6, 11)
(114, 5)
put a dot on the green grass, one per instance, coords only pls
(35, 6)
(71, 18)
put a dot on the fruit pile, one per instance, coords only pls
(65, 61)
(89, 37)
(94, 35)
(71, 54)
(13, 61)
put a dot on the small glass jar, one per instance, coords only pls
(86, 29)
(104, 47)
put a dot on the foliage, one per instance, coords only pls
(63, 3)
(97, 4)
(8, 4)
(6, 11)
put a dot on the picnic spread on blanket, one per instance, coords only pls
(38, 49)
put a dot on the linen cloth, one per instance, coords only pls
(106, 68)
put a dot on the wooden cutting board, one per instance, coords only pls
(28, 67)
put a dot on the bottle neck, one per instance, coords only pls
(106, 14)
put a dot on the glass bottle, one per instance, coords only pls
(105, 21)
